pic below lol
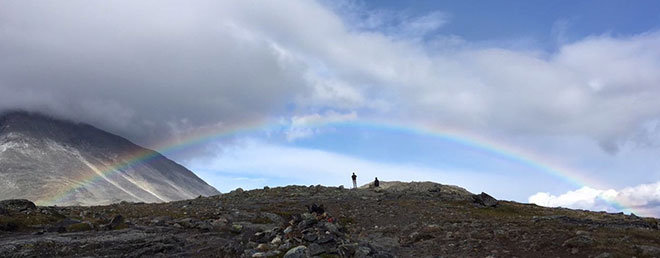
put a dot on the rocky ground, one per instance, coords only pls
(395, 220)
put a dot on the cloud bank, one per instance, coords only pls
(643, 199)
(151, 69)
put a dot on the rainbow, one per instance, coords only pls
(204, 135)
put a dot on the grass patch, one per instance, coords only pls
(262, 220)
(78, 227)
(346, 220)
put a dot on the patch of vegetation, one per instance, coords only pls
(503, 211)
(262, 220)
(346, 220)
(78, 227)
(22, 221)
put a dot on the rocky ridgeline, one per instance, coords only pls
(397, 220)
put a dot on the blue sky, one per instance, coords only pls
(538, 21)
(551, 102)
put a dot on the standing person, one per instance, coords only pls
(354, 177)
(376, 183)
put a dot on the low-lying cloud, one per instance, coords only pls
(643, 199)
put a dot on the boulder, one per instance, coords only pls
(115, 223)
(17, 205)
(318, 209)
(484, 199)
(579, 241)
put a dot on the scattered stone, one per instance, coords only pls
(579, 241)
(310, 237)
(318, 209)
(362, 251)
(604, 255)
(115, 223)
(236, 228)
(262, 247)
(369, 224)
(315, 249)
(647, 250)
(276, 241)
(259, 255)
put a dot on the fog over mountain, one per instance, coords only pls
(55, 162)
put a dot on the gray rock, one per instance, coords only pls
(646, 250)
(297, 252)
(17, 205)
(362, 251)
(114, 223)
(484, 199)
(332, 228)
(325, 239)
(310, 237)
(604, 255)
(259, 255)
(315, 249)
(236, 228)
(579, 241)
(348, 249)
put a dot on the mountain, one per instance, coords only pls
(56, 162)
(401, 220)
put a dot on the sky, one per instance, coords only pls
(549, 102)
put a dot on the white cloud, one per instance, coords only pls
(307, 125)
(643, 199)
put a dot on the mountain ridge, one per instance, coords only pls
(54, 161)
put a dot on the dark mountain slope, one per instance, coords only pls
(52, 161)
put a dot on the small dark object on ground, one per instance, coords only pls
(484, 199)
(17, 204)
(318, 209)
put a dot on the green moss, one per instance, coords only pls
(346, 220)
(22, 221)
(78, 227)
(262, 220)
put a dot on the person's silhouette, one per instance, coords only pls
(354, 177)
(376, 182)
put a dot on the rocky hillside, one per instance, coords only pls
(52, 161)
(300, 221)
